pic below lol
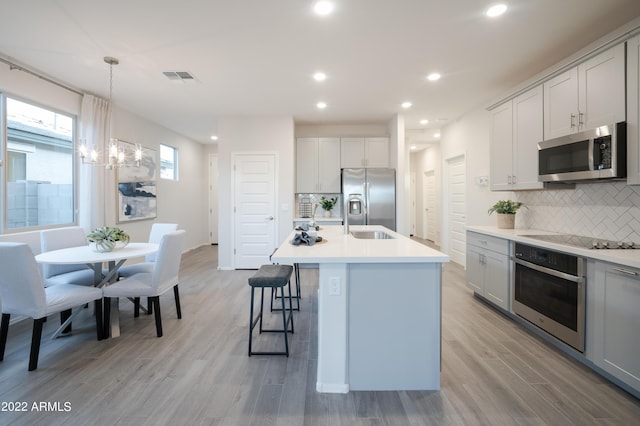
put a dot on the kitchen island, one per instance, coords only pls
(379, 310)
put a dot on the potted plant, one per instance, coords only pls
(506, 211)
(106, 238)
(328, 204)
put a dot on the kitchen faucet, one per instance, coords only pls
(353, 204)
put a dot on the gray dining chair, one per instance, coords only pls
(153, 284)
(23, 293)
(158, 230)
(55, 239)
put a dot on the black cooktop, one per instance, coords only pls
(584, 242)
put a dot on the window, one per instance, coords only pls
(168, 162)
(39, 160)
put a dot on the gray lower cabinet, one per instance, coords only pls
(488, 268)
(613, 320)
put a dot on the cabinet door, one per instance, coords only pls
(633, 111)
(376, 152)
(306, 165)
(527, 132)
(502, 147)
(329, 165)
(601, 90)
(561, 104)
(475, 269)
(496, 279)
(616, 321)
(352, 153)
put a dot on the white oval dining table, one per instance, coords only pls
(95, 260)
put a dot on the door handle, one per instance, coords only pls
(269, 218)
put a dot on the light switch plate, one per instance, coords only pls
(334, 286)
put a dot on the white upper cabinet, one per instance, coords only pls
(516, 129)
(587, 96)
(318, 165)
(358, 152)
(633, 111)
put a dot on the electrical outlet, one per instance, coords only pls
(334, 286)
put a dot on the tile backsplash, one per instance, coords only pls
(601, 210)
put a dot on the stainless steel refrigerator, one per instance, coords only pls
(378, 189)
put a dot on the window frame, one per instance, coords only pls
(175, 163)
(4, 149)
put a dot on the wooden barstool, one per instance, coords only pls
(274, 277)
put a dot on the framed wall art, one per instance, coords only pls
(136, 191)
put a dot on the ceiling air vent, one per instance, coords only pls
(179, 76)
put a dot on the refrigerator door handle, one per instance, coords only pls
(367, 186)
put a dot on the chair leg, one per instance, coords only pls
(107, 318)
(156, 310)
(64, 315)
(176, 295)
(4, 330)
(99, 318)
(35, 343)
(136, 307)
(149, 306)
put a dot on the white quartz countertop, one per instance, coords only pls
(629, 258)
(337, 247)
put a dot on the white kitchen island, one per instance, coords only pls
(379, 310)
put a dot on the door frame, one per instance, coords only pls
(234, 159)
(446, 225)
(427, 174)
(214, 197)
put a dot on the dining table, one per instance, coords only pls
(95, 261)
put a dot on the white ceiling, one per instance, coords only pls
(256, 57)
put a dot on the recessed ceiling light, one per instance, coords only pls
(214, 138)
(321, 105)
(425, 121)
(496, 10)
(436, 135)
(319, 76)
(413, 147)
(406, 105)
(434, 76)
(323, 7)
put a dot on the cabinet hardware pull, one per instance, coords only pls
(580, 121)
(509, 180)
(626, 271)
(572, 124)
(513, 180)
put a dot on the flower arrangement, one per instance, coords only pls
(328, 204)
(104, 239)
(505, 207)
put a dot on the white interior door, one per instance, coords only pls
(456, 209)
(254, 209)
(429, 214)
(413, 203)
(213, 199)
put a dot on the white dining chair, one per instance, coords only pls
(23, 293)
(54, 239)
(153, 284)
(157, 231)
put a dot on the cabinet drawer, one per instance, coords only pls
(499, 245)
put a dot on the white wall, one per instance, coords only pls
(183, 202)
(255, 134)
(470, 135)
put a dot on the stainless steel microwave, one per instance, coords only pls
(600, 153)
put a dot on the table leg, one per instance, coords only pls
(114, 315)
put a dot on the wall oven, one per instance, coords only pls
(549, 292)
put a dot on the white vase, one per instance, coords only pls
(327, 213)
(506, 221)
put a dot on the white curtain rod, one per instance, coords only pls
(13, 66)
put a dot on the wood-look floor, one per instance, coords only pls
(493, 371)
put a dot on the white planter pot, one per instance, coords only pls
(326, 213)
(506, 221)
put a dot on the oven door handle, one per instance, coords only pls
(548, 271)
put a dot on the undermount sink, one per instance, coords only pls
(371, 235)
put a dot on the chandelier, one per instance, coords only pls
(114, 155)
